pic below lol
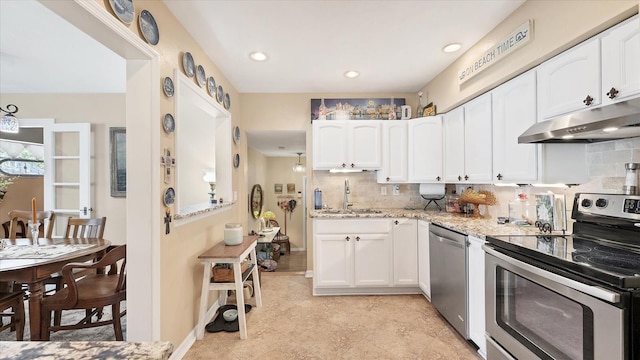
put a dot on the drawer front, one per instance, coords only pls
(351, 226)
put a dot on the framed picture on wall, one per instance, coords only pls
(277, 188)
(291, 188)
(118, 151)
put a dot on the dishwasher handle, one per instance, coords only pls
(447, 241)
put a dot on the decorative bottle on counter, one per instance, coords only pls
(317, 199)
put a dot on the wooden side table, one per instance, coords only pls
(229, 254)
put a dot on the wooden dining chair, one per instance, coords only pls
(12, 306)
(281, 238)
(85, 228)
(89, 292)
(47, 218)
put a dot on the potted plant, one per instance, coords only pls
(5, 181)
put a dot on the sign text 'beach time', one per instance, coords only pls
(519, 37)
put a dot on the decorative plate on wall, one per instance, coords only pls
(211, 86)
(168, 123)
(188, 64)
(220, 94)
(227, 101)
(123, 9)
(149, 27)
(236, 134)
(236, 161)
(201, 77)
(167, 86)
(169, 196)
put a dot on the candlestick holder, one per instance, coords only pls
(34, 230)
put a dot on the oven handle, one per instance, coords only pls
(594, 291)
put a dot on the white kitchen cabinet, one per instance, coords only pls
(424, 279)
(620, 61)
(425, 150)
(352, 144)
(468, 140)
(570, 81)
(352, 253)
(514, 111)
(405, 251)
(476, 301)
(394, 152)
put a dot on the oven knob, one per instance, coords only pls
(601, 203)
(586, 203)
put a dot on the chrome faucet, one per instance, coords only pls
(347, 191)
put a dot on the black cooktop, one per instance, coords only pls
(615, 264)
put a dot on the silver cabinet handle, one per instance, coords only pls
(594, 291)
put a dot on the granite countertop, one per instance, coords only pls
(81, 350)
(474, 226)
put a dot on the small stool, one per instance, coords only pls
(13, 300)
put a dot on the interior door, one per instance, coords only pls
(67, 179)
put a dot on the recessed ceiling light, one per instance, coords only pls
(451, 48)
(258, 56)
(351, 74)
(567, 136)
(610, 129)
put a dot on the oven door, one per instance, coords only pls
(533, 313)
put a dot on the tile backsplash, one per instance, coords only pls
(605, 166)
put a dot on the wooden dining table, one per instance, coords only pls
(34, 270)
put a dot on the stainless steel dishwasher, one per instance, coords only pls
(448, 265)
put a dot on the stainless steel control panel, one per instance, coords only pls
(617, 205)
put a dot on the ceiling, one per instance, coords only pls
(395, 45)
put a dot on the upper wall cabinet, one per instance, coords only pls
(621, 61)
(394, 152)
(514, 111)
(570, 81)
(425, 150)
(351, 144)
(467, 144)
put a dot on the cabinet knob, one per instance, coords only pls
(459, 177)
(388, 178)
(499, 176)
(357, 238)
(396, 222)
(466, 177)
(347, 238)
(344, 165)
(613, 93)
(353, 165)
(438, 178)
(588, 100)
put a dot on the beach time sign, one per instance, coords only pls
(518, 38)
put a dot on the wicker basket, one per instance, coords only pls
(221, 273)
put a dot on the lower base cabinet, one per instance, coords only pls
(365, 256)
(475, 274)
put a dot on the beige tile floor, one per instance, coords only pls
(293, 324)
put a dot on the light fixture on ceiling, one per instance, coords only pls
(453, 47)
(258, 56)
(351, 74)
(299, 167)
(9, 123)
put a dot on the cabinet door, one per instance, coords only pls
(565, 81)
(372, 259)
(621, 62)
(477, 140)
(329, 144)
(476, 293)
(424, 280)
(333, 265)
(364, 145)
(514, 111)
(405, 251)
(394, 152)
(425, 150)
(454, 145)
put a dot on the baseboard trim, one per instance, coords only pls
(183, 348)
(309, 274)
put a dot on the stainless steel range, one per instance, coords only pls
(568, 297)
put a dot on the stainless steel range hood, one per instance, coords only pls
(610, 122)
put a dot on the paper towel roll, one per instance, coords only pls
(432, 190)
